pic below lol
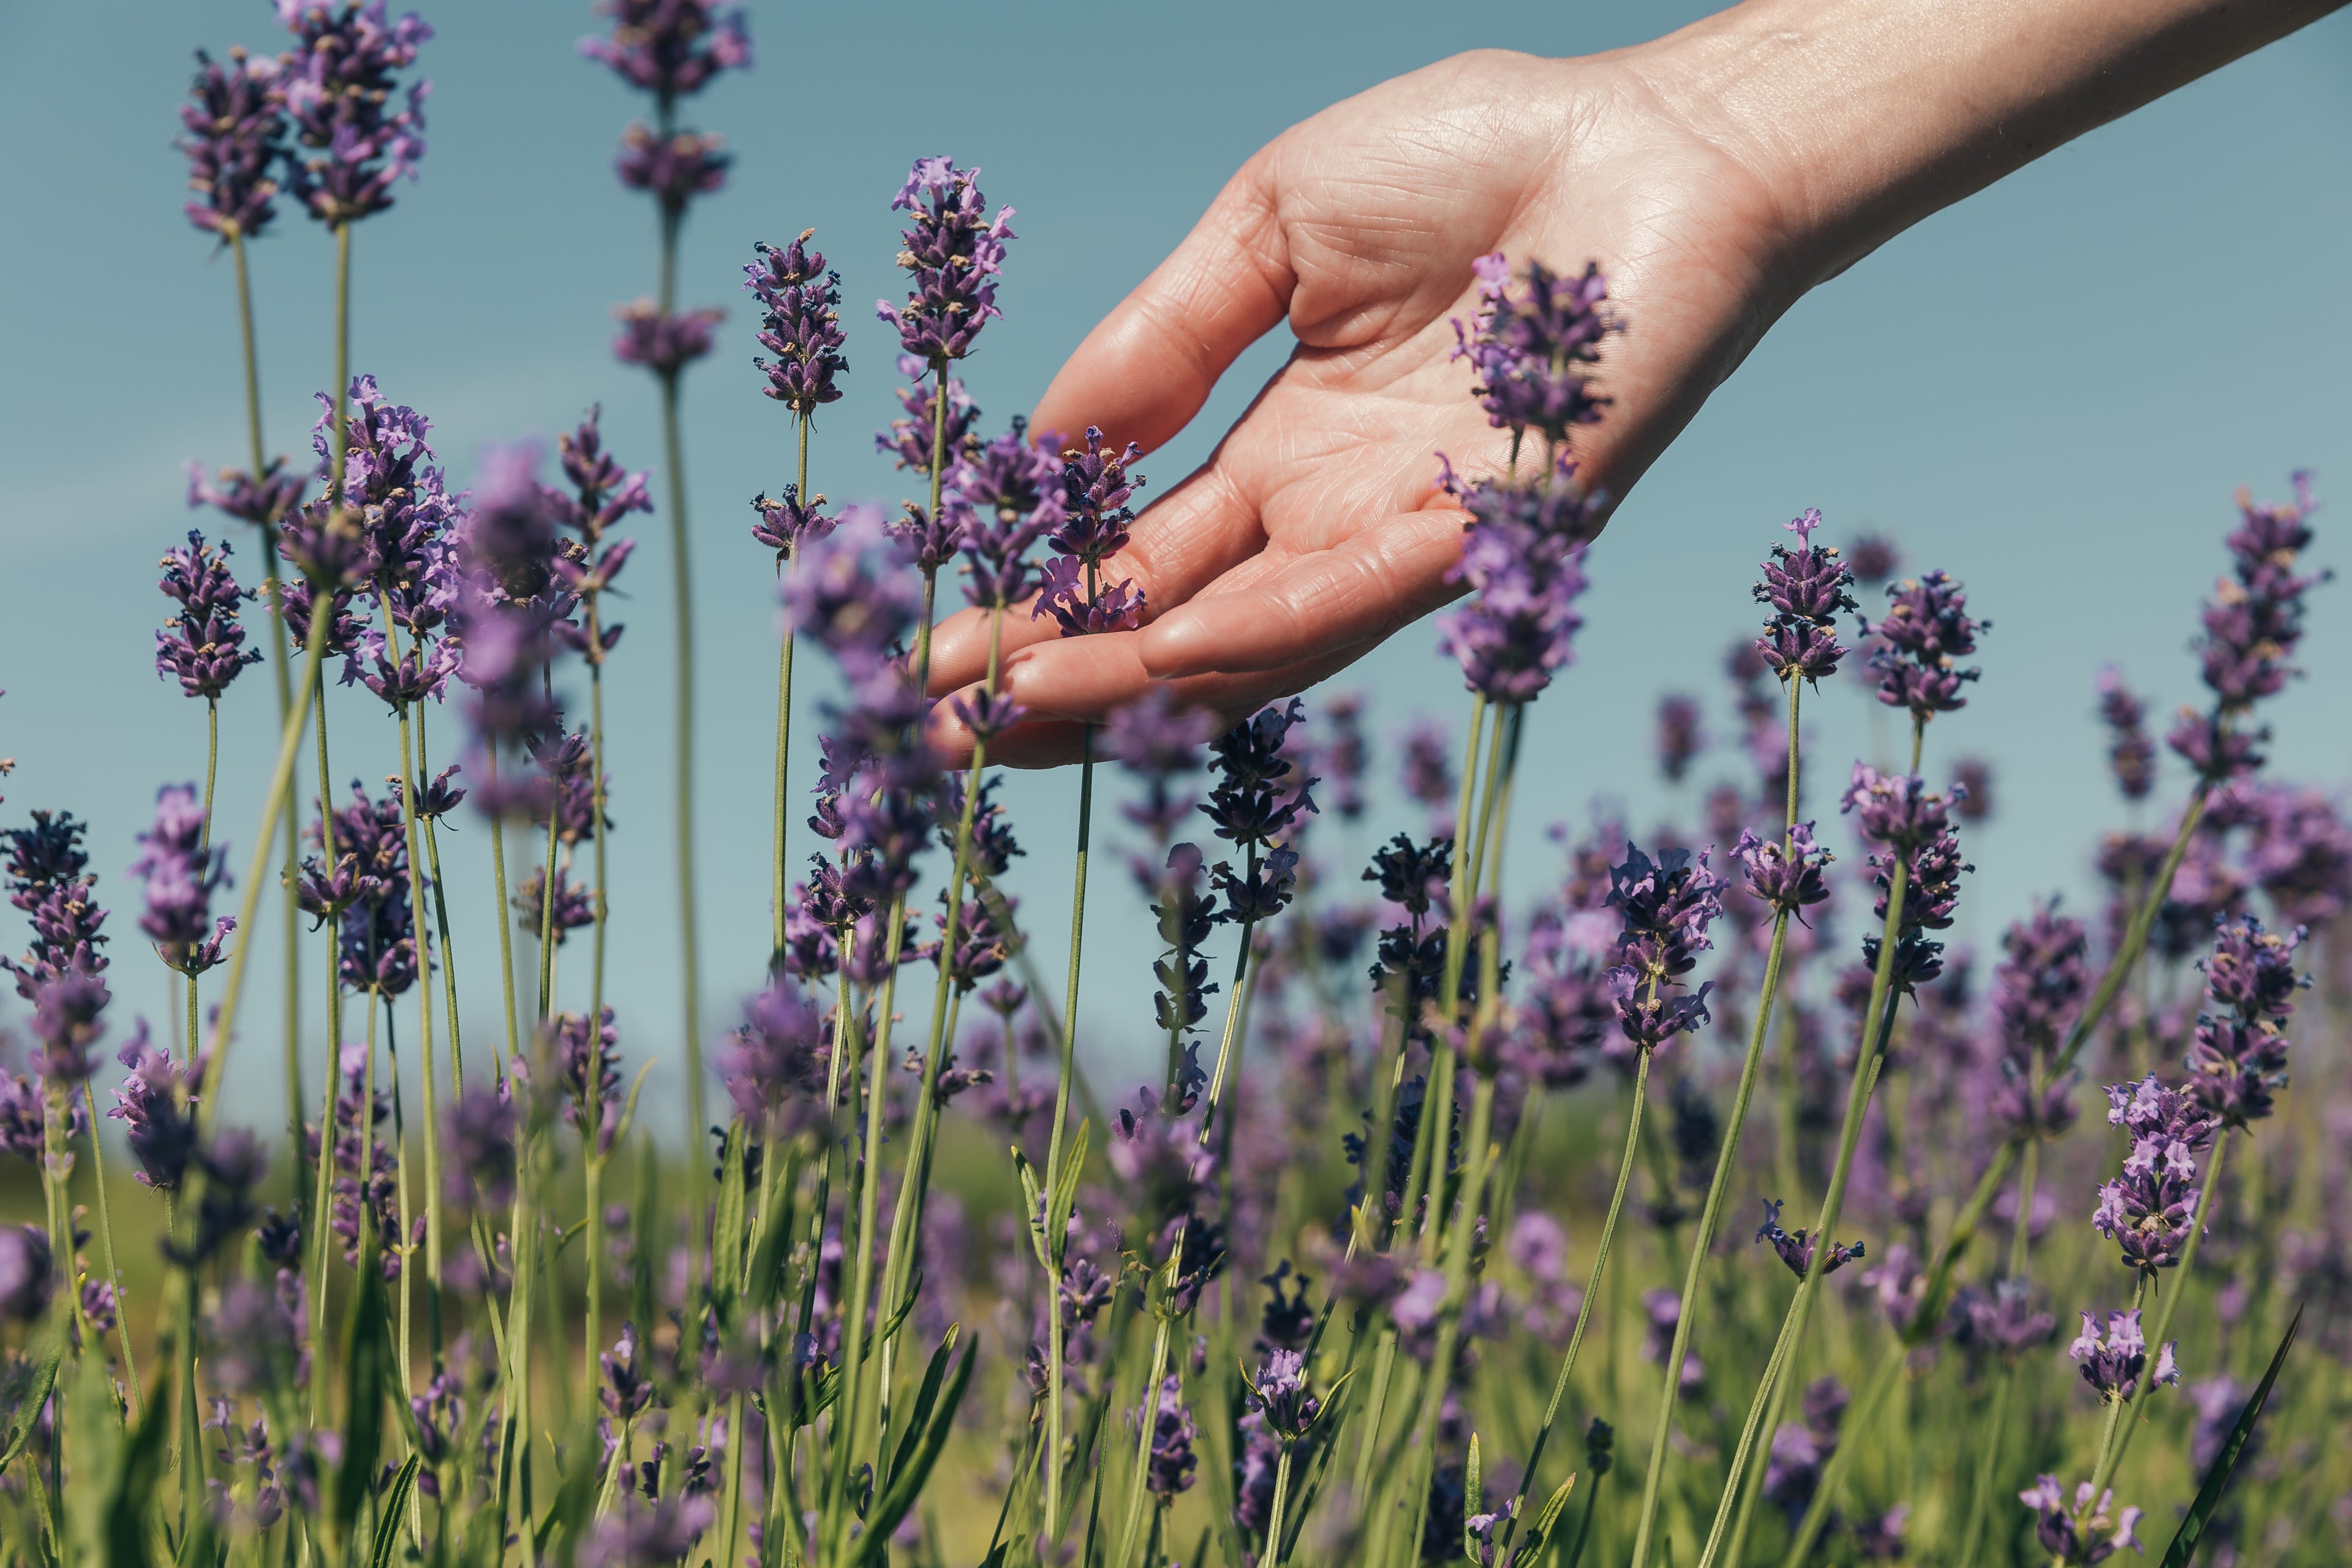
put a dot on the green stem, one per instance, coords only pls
(2110, 1454)
(106, 1240)
(690, 947)
(1054, 1241)
(1987, 1464)
(1711, 1215)
(505, 917)
(1746, 1448)
(411, 782)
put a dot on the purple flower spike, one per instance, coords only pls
(1110, 607)
(2112, 1363)
(1532, 348)
(1666, 905)
(1172, 1463)
(156, 1103)
(1925, 629)
(930, 542)
(2237, 1060)
(49, 878)
(236, 123)
(202, 647)
(1786, 879)
(2100, 1535)
(910, 437)
(2146, 1209)
(1806, 588)
(851, 593)
(2131, 755)
(1874, 558)
(27, 1276)
(800, 323)
(587, 1067)
(789, 522)
(182, 876)
(1797, 1248)
(1522, 554)
(664, 343)
(779, 1055)
(233, 492)
(337, 87)
(671, 48)
(478, 1136)
(1004, 496)
(1159, 739)
(954, 252)
(672, 169)
(1678, 735)
(66, 1012)
(2253, 626)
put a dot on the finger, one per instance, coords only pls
(1147, 366)
(1366, 586)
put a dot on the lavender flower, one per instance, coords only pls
(66, 1011)
(1532, 349)
(25, 1116)
(2253, 626)
(912, 437)
(1565, 1002)
(1925, 629)
(1522, 555)
(202, 647)
(337, 87)
(1666, 905)
(586, 1065)
(2004, 1319)
(1260, 795)
(2238, 1058)
(779, 1055)
(1172, 1463)
(48, 879)
(2131, 755)
(1806, 588)
(1915, 827)
(1004, 496)
(156, 1103)
(1679, 739)
(800, 323)
(1427, 760)
(673, 168)
(182, 876)
(2302, 856)
(664, 341)
(2055, 1523)
(1801, 1450)
(671, 48)
(1092, 527)
(2146, 1210)
(233, 492)
(1664, 1310)
(27, 1276)
(1787, 879)
(954, 252)
(1874, 558)
(234, 1164)
(2112, 1363)
(236, 123)
(1797, 1248)
(253, 1342)
(478, 1132)
(649, 1534)
(1157, 738)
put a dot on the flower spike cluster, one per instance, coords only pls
(1667, 904)
(1806, 588)
(1798, 1248)
(235, 123)
(1533, 347)
(1002, 497)
(2253, 626)
(338, 86)
(49, 878)
(2099, 1535)
(1914, 825)
(671, 48)
(1914, 647)
(1522, 556)
(182, 876)
(2146, 1209)
(2238, 1058)
(1259, 800)
(1785, 877)
(202, 647)
(2112, 1363)
(800, 323)
(1092, 526)
(2131, 754)
(954, 252)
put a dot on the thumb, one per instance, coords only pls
(1147, 366)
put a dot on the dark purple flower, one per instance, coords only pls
(1522, 555)
(2112, 1363)
(478, 1132)
(1896, 809)
(202, 647)
(671, 48)
(1666, 905)
(2146, 1209)
(1083, 611)
(2237, 1058)
(27, 1276)
(851, 592)
(673, 168)
(1533, 349)
(1796, 1247)
(357, 1212)
(626, 1390)
(1785, 878)
(1172, 1464)
(649, 1534)
(1971, 789)
(2131, 755)
(587, 1068)
(48, 880)
(911, 438)
(930, 542)
(954, 251)
(779, 1055)
(1802, 1449)
(665, 342)
(1004, 495)
(1092, 526)
(234, 493)
(800, 323)
(338, 87)
(2069, 1543)
(156, 1103)
(1157, 738)
(181, 874)
(1927, 629)
(1679, 739)
(1260, 793)
(1806, 588)
(66, 1013)
(2254, 620)
(1279, 1395)
(236, 123)
(788, 522)
(1873, 558)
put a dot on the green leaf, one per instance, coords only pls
(1548, 1520)
(629, 1106)
(727, 1228)
(363, 1364)
(395, 1507)
(1032, 1202)
(128, 1543)
(1065, 1194)
(36, 1393)
(907, 1484)
(926, 1397)
(573, 1512)
(765, 1281)
(93, 1436)
(1474, 1501)
(2217, 1474)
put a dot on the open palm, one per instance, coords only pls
(1315, 530)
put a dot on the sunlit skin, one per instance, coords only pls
(1716, 175)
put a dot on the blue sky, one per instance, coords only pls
(2052, 391)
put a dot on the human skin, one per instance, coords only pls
(1715, 175)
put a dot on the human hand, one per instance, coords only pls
(1314, 531)
(1714, 175)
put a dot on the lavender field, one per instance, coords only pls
(1714, 1180)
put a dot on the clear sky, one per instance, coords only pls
(2052, 391)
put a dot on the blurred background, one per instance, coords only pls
(2051, 391)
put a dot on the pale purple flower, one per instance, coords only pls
(27, 1276)
(1785, 877)
(672, 169)
(2098, 1536)
(2147, 1209)
(1004, 495)
(2113, 1361)
(1522, 555)
(671, 48)
(2237, 1059)
(664, 343)
(1533, 347)
(338, 89)
(954, 252)
(182, 876)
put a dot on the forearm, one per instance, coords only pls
(1865, 116)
